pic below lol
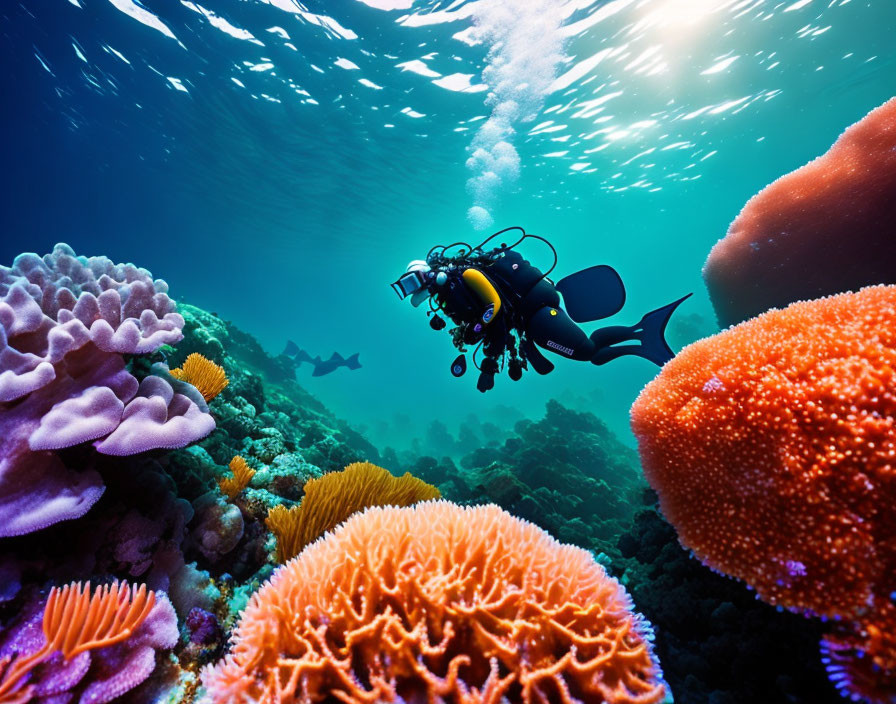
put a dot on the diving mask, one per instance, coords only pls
(413, 280)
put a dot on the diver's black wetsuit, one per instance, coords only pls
(531, 307)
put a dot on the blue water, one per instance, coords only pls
(280, 163)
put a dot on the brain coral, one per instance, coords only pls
(772, 445)
(433, 603)
(337, 495)
(825, 228)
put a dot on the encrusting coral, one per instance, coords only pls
(242, 475)
(335, 496)
(438, 602)
(202, 373)
(74, 622)
(771, 448)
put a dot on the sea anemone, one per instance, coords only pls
(75, 621)
(335, 496)
(242, 475)
(208, 377)
(439, 602)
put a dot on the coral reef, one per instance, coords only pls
(158, 518)
(242, 475)
(447, 602)
(189, 523)
(718, 644)
(826, 228)
(566, 472)
(65, 322)
(770, 446)
(204, 374)
(98, 645)
(334, 497)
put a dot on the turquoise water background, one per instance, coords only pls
(280, 163)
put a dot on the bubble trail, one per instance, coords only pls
(526, 45)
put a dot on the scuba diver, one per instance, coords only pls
(501, 303)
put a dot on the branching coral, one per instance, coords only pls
(75, 621)
(771, 446)
(335, 496)
(439, 602)
(202, 373)
(242, 475)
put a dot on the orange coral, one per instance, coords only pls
(439, 602)
(771, 446)
(242, 475)
(208, 377)
(328, 501)
(75, 621)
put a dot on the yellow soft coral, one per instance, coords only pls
(208, 377)
(242, 475)
(336, 496)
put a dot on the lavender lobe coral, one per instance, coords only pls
(65, 322)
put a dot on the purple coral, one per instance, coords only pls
(65, 321)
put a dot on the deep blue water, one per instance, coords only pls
(280, 163)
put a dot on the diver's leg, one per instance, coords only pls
(552, 329)
(649, 332)
(540, 363)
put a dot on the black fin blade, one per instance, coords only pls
(592, 294)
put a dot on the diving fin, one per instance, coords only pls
(592, 294)
(650, 332)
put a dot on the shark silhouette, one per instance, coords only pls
(321, 367)
(333, 363)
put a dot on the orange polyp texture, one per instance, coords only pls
(438, 602)
(772, 448)
(825, 228)
(773, 442)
